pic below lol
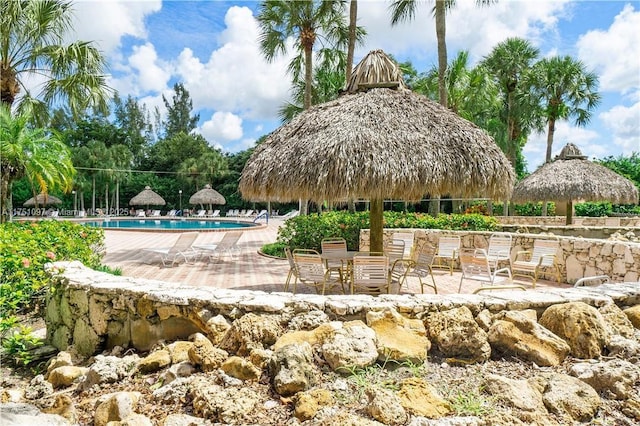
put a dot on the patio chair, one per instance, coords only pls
(337, 246)
(171, 213)
(499, 249)
(370, 275)
(419, 266)
(227, 246)
(394, 250)
(311, 270)
(215, 213)
(292, 213)
(248, 213)
(475, 267)
(543, 256)
(293, 272)
(155, 213)
(201, 213)
(182, 249)
(140, 213)
(448, 248)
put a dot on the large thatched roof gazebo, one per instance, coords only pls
(572, 177)
(42, 199)
(147, 197)
(207, 195)
(377, 140)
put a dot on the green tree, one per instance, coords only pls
(563, 89)
(405, 10)
(134, 122)
(32, 153)
(179, 118)
(32, 45)
(203, 169)
(168, 154)
(508, 64)
(307, 22)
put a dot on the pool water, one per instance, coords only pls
(168, 225)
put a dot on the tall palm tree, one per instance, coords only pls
(563, 89)
(307, 22)
(32, 45)
(32, 153)
(405, 10)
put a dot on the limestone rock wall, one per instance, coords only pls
(94, 311)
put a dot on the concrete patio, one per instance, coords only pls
(251, 271)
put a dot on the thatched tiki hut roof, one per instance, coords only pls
(572, 177)
(377, 140)
(207, 195)
(147, 197)
(42, 199)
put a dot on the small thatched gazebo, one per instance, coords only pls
(147, 198)
(42, 199)
(207, 195)
(572, 177)
(377, 140)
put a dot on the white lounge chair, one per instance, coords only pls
(448, 248)
(542, 256)
(201, 213)
(475, 267)
(182, 249)
(155, 213)
(140, 213)
(171, 213)
(227, 246)
(215, 213)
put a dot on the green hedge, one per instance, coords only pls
(308, 231)
(27, 246)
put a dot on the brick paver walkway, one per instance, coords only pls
(250, 271)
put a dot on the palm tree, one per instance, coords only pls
(405, 10)
(204, 169)
(32, 46)
(307, 22)
(564, 89)
(32, 153)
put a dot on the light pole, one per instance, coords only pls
(180, 193)
(75, 203)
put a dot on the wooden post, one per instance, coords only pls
(569, 212)
(375, 226)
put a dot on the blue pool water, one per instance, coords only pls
(168, 225)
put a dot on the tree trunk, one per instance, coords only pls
(375, 226)
(441, 30)
(550, 131)
(93, 195)
(434, 206)
(569, 213)
(353, 17)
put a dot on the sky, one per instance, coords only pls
(212, 48)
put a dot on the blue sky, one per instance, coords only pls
(211, 47)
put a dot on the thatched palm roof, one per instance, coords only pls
(147, 197)
(376, 143)
(207, 195)
(42, 199)
(572, 177)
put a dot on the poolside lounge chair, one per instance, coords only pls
(499, 249)
(475, 267)
(292, 213)
(448, 248)
(140, 213)
(171, 213)
(182, 249)
(215, 213)
(542, 256)
(227, 246)
(201, 213)
(155, 213)
(248, 213)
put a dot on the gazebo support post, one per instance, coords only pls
(569, 212)
(375, 226)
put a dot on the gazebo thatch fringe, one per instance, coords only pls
(207, 195)
(147, 197)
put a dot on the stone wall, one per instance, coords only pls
(624, 222)
(94, 311)
(578, 257)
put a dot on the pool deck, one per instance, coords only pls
(250, 271)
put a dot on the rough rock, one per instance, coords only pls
(621, 347)
(580, 325)
(352, 346)
(514, 393)
(616, 321)
(63, 406)
(633, 313)
(314, 337)
(308, 320)
(250, 332)
(205, 355)
(456, 334)
(66, 375)
(179, 351)
(224, 405)
(174, 391)
(398, 338)
(615, 377)
(155, 361)
(240, 368)
(420, 399)
(292, 369)
(182, 369)
(115, 407)
(385, 406)
(515, 333)
(20, 414)
(567, 396)
(184, 420)
(38, 388)
(110, 369)
(631, 408)
(308, 403)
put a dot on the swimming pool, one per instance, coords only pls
(169, 225)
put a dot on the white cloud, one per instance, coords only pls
(236, 77)
(624, 123)
(222, 126)
(614, 52)
(152, 74)
(586, 139)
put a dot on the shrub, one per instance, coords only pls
(27, 246)
(308, 231)
(593, 209)
(274, 249)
